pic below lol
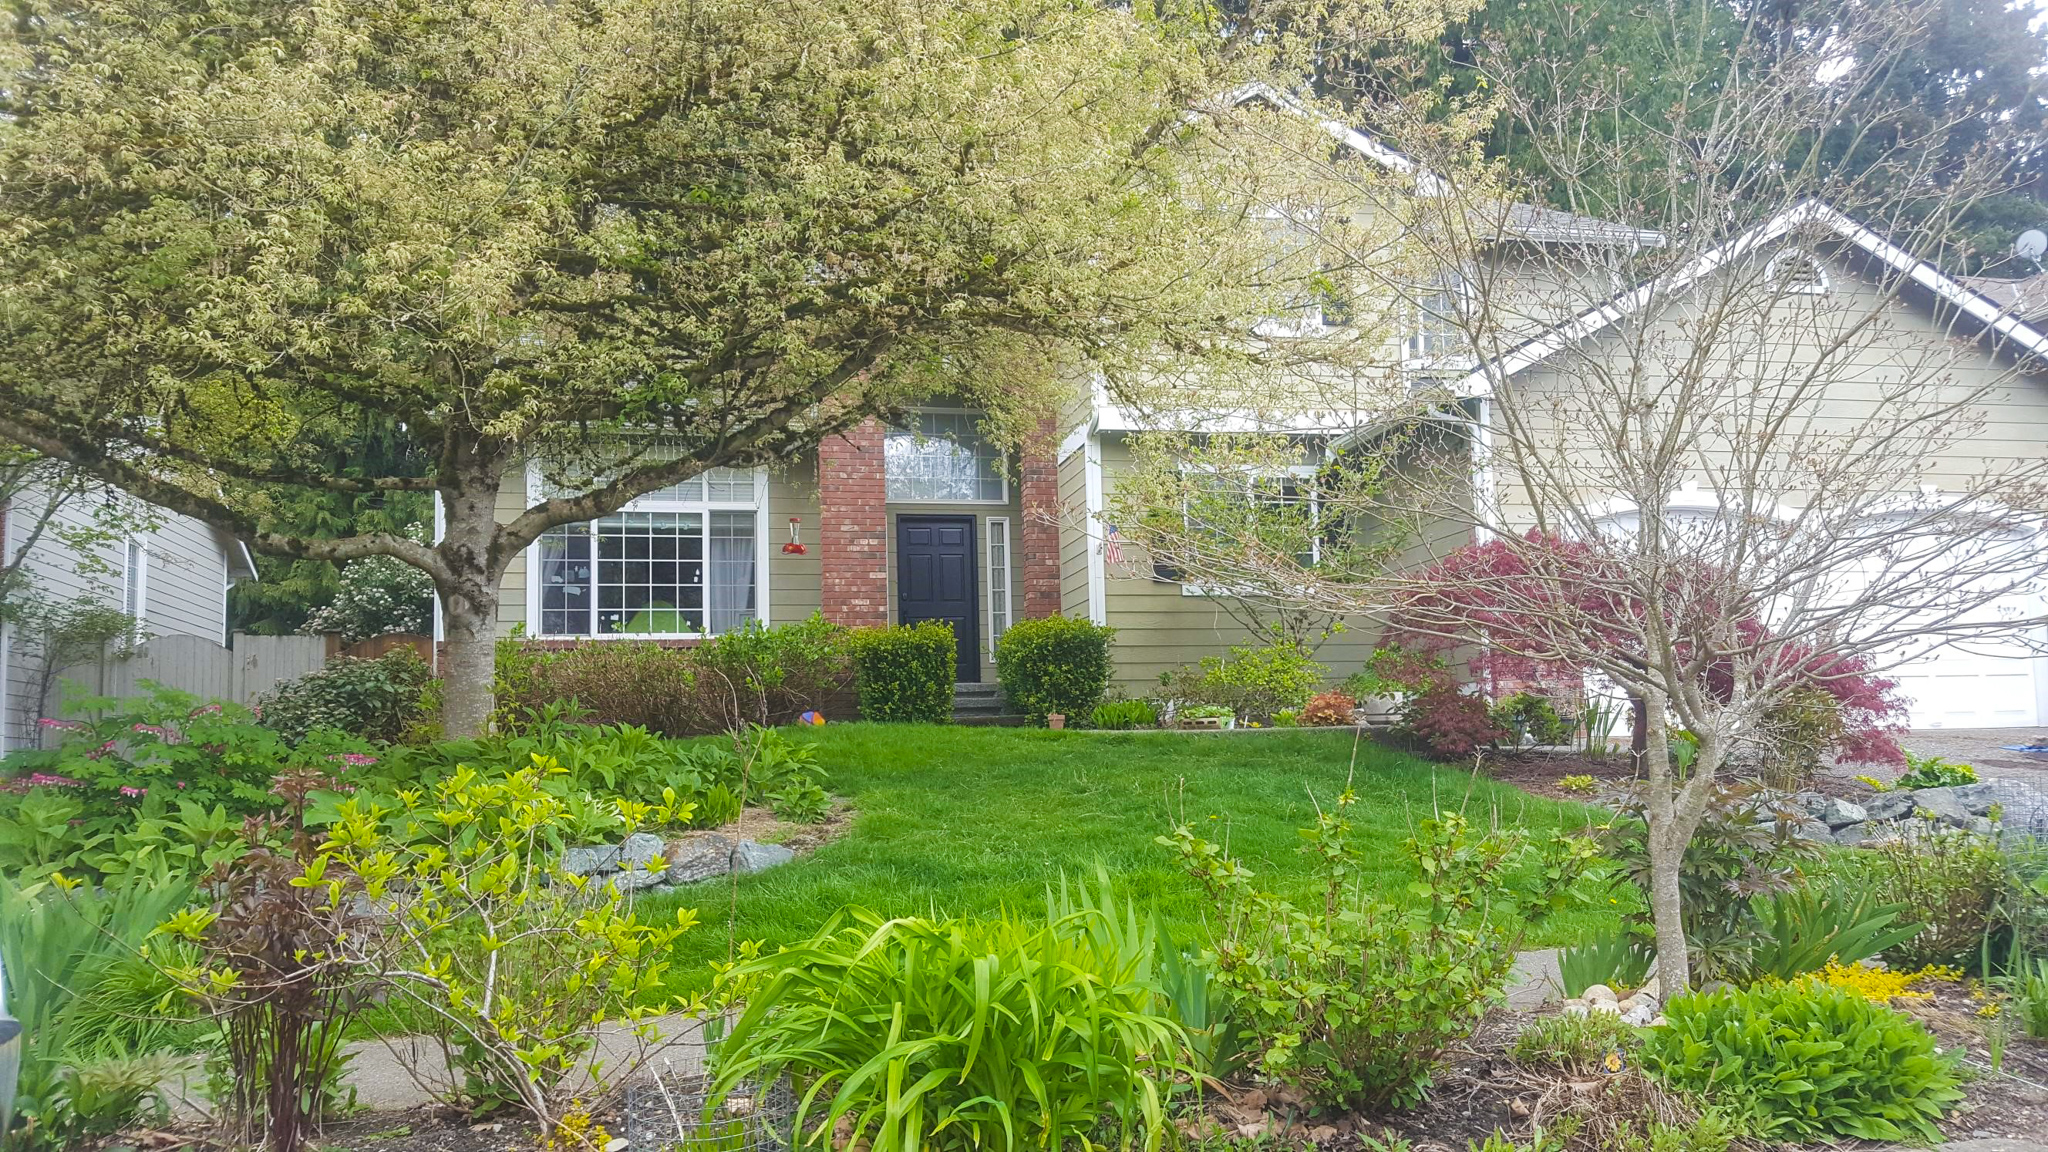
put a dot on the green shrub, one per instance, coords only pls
(1578, 1045)
(1618, 959)
(1949, 880)
(1934, 772)
(1368, 1034)
(1121, 715)
(1801, 1061)
(1054, 664)
(2025, 991)
(752, 675)
(375, 699)
(1253, 682)
(960, 1034)
(56, 944)
(775, 674)
(905, 674)
(1806, 926)
(1527, 715)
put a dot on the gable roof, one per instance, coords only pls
(1518, 221)
(1998, 316)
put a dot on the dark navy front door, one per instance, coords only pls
(935, 581)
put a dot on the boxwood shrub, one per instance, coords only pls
(1054, 664)
(905, 674)
(1805, 1060)
(375, 699)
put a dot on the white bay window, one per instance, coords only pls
(683, 561)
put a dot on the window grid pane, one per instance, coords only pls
(650, 573)
(943, 458)
(998, 580)
(650, 570)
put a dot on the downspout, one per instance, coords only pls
(1098, 573)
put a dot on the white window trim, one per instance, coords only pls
(1315, 542)
(1413, 358)
(762, 582)
(1819, 286)
(1008, 567)
(1002, 474)
(1311, 320)
(135, 575)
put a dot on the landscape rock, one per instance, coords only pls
(1941, 804)
(1811, 803)
(1598, 993)
(1837, 813)
(1867, 832)
(1607, 1006)
(1654, 989)
(635, 879)
(1577, 1008)
(1978, 799)
(699, 858)
(636, 850)
(1888, 805)
(1981, 826)
(590, 859)
(1639, 1016)
(1660, 1021)
(752, 857)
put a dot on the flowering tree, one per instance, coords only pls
(378, 595)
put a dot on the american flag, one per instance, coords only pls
(1112, 544)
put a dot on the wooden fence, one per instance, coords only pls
(203, 667)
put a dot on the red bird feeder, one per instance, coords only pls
(795, 547)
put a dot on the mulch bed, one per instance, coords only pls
(1538, 773)
(1478, 1091)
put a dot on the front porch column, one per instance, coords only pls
(853, 528)
(1038, 478)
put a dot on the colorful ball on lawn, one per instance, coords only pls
(815, 719)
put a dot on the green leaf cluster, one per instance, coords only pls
(1055, 664)
(905, 674)
(1806, 1060)
(966, 1033)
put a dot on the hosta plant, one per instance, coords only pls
(1806, 1061)
(913, 1034)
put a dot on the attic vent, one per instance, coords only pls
(1796, 273)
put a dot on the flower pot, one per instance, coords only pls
(1055, 720)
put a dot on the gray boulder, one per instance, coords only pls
(699, 858)
(1941, 805)
(1867, 832)
(1839, 813)
(1811, 803)
(1888, 805)
(1977, 799)
(590, 859)
(752, 857)
(635, 879)
(636, 850)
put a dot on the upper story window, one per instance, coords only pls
(134, 579)
(1796, 273)
(943, 458)
(1316, 299)
(681, 561)
(1436, 315)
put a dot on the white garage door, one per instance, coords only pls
(1974, 684)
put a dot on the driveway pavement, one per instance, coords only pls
(2023, 776)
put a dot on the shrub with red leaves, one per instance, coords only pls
(1327, 709)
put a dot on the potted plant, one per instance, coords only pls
(1055, 720)
(1206, 716)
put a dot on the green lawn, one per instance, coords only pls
(972, 820)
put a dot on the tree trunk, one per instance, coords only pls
(472, 550)
(469, 627)
(1674, 963)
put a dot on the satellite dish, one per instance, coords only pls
(2030, 245)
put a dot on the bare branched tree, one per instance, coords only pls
(1721, 433)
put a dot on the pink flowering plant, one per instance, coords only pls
(122, 758)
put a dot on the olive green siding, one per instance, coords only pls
(1159, 627)
(1906, 345)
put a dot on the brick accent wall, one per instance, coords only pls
(1039, 480)
(853, 527)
